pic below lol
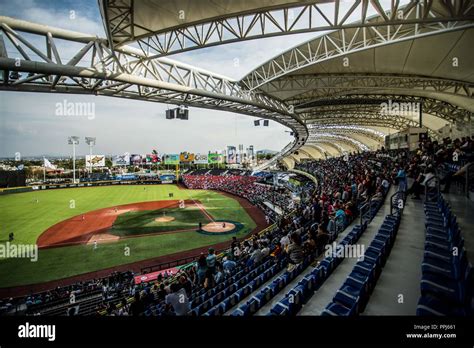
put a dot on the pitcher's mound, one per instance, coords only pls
(218, 227)
(164, 219)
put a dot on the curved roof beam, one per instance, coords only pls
(366, 118)
(346, 41)
(295, 158)
(315, 150)
(331, 148)
(305, 153)
(369, 133)
(186, 25)
(339, 138)
(288, 162)
(392, 105)
(369, 119)
(296, 89)
(126, 73)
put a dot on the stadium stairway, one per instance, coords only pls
(402, 273)
(351, 298)
(324, 295)
(287, 300)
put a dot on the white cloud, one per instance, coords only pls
(28, 123)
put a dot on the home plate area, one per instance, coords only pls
(218, 227)
(221, 227)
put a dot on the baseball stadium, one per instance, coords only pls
(239, 158)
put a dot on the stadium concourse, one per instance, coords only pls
(297, 267)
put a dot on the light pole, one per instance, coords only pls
(73, 140)
(91, 142)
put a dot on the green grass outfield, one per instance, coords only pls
(143, 221)
(20, 214)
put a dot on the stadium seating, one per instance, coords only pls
(447, 276)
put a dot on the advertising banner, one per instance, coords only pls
(121, 160)
(95, 161)
(231, 155)
(200, 159)
(152, 158)
(126, 177)
(214, 158)
(171, 159)
(186, 157)
(167, 178)
(136, 159)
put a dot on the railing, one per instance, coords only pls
(188, 259)
(432, 192)
(173, 263)
(397, 202)
(364, 212)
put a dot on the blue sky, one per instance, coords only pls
(28, 123)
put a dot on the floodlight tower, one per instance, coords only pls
(91, 142)
(73, 140)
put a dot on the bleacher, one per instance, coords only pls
(270, 287)
(447, 276)
(293, 300)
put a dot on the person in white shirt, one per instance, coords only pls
(429, 174)
(178, 300)
(284, 241)
(265, 250)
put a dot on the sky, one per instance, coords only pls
(29, 124)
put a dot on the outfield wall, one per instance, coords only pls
(82, 184)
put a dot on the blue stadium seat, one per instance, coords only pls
(336, 309)
(433, 306)
(349, 298)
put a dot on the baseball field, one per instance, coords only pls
(82, 230)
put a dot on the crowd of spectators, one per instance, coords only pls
(246, 186)
(446, 159)
(344, 184)
(110, 287)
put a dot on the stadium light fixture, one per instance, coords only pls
(181, 113)
(73, 140)
(257, 122)
(91, 142)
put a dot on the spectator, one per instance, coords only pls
(211, 261)
(178, 300)
(201, 268)
(228, 265)
(294, 250)
(137, 307)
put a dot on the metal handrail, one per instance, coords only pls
(363, 211)
(395, 203)
(427, 188)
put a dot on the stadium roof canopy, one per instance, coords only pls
(329, 90)
(336, 82)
